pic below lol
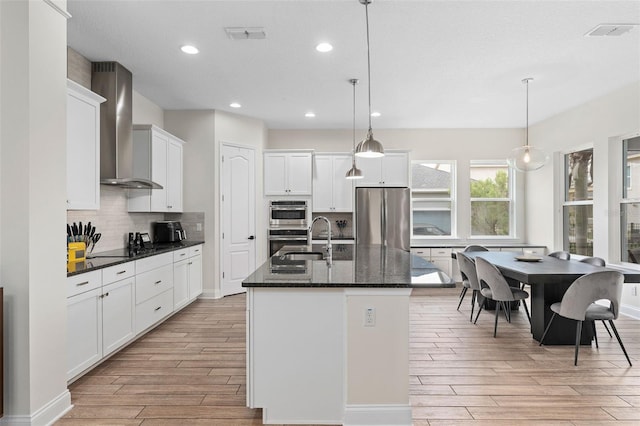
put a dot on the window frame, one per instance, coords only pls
(452, 200)
(565, 203)
(511, 199)
(626, 185)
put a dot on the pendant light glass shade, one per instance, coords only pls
(369, 148)
(354, 172)
(527, 158)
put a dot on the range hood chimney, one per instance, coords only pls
(114, 82)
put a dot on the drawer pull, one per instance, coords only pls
(158, 308)
(82, 283)
(158, 282)
(121, 272)
(183, 254)
(197, 251)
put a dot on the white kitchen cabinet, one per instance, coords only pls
(100, 315)
(332, 192)
(83, 148)
(195, 276)
(440, 257)
(287, 172)
(390, 170)
(157, 156)
(187, 275)
(118, 314)
(84, 331)
(154, 290)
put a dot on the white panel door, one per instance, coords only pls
(238, 222)
(395, 169)
(174, 176)
(84, 331)
(180, 283)
(371, 171)
(275, 174)
(195, 276)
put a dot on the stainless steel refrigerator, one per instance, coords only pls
(382, 217)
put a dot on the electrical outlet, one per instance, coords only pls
(370, 317)
(198, 226)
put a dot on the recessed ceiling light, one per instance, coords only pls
(324, 47)
(235, 105)
(310, 115)
(375, 114)
(191, 50)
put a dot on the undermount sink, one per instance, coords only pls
(303, 255)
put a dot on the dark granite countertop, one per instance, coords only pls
(369, 267)
(105, 259)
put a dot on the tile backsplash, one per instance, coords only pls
(336, 232)
(115, 222)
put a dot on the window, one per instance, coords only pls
(492, 204)
(578, 202)
(432, 197)
(630, 204)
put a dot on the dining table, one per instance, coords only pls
(549, 279)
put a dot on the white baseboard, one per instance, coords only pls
(377, 415)
(210, 294)
(630, 311)
(45, 416)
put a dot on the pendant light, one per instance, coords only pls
(354, 172)
(369, 147)
(527, 158)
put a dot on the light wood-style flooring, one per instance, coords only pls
(191, 371)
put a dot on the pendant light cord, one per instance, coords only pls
(527, 109)
(366, 10)
(354, 82)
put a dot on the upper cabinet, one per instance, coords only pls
(332, 192)
(390, 170)
(83, 147)
(157, 155)
(287, 172)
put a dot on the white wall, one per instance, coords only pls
(204, 132)
(32, 217)
(144, 111)
(598, 124)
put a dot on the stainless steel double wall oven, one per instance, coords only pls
(288, 224)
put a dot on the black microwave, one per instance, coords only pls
(168, 231)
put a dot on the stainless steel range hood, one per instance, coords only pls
(114, 82)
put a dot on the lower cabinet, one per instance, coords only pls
(440, 257)
(107, 308)
(187, 275)
(100, 315)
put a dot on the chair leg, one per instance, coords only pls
(578, 335)
(606, 328)
(479, 310)
(527, 311)
(473, 302)
(595, 333)
(462, 293)
(547, 329)
(613, 327)
(495, 324)
(507, 313)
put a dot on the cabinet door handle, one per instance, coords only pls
(82, 283)
(121, 272)
(158, 308)
(158, 282)
(251, 237)
(106, 294)
(190, 263)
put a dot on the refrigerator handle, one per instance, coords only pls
(383, 218)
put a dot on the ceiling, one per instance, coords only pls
(434, 64)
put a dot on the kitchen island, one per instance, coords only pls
(329, 344)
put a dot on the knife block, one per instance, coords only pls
(76, 252)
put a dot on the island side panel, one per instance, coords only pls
(295, 354)
(377, 373)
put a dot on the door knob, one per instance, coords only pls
(251, 237)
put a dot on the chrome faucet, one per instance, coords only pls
(328, 246)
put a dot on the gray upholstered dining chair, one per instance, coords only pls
(562, 255)
(597, 261)
(577, 303)
(497, 289)
(469, 278)
(465, 282)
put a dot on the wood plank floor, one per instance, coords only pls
(191, 371)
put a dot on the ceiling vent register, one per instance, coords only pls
(246, 33)
(610, 30)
